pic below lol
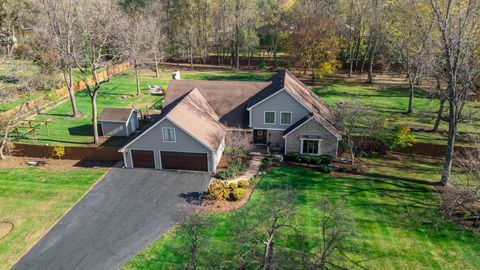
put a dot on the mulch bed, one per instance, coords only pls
(53, 164)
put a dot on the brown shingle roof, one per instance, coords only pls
(115, 114)
(195, 115)
(228, 99)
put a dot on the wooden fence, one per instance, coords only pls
(36, 105)
(94, 153)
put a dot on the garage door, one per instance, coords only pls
(184, 161)
(143, 159)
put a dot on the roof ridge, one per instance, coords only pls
(189, 99)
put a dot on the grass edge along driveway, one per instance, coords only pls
(34, 199)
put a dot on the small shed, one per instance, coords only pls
(118, 121)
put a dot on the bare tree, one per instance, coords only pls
(354, 119)
(259, 238)
(461, 199)
(458, 41)
(410, 40)
(194, 225)
(60, 19)
(333, 239)
(94, 47)
(135, 40)
(7, 123)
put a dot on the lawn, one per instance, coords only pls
(33, 199)
(20, 70)
(397, 221)
(78, 132)
(392, 101)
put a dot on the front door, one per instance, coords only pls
(260, 136)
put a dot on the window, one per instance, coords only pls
(286, 118)
(168, 134)
(311, 147)
(269, 117)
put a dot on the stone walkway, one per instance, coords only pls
(253, 168)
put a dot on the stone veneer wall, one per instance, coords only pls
(328, 145)
(275, 140)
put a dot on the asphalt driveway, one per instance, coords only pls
(125, 212)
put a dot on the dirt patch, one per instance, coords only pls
(53, 164)
(5, 228)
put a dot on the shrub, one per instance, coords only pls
(325, 159)
(267, 163)
(306, 158)
(262, 64)
(276, 63)
(233, 169)
(225, 174)
(59, 151)
(51, 96)
(288, 64)
(326, 168)
(243, 184)
(238, 194)
(293, 156)
(315, 160)
(233, 185)
(218, 190)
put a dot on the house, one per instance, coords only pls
(118, 121)
(200, 117)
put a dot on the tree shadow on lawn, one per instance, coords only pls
(83, 130)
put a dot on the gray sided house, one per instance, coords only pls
(201, 117)
(118, 121)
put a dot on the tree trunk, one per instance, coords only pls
(157, 74)
(357, 51)
(411, 83)
(365, 55)
(267, 254)
(137, 80)
(71, 92)
(371, 60)
(452, 130)
(439, 114)
(93, 98)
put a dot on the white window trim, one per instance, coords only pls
(291, 118)
(174, 135)
(274, 117)
(306, 139)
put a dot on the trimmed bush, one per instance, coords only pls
(306, 158)
(243, 183)
(238, 194)
(325, 159)
(315, 160)
(293, 156)
(218, 190)
(233, 185)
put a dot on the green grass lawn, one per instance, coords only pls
(393, 208)
(65, 130)
(33, 199)
(392, 101)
